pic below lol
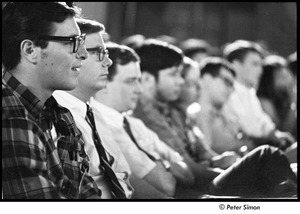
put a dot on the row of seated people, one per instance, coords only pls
(85, 119)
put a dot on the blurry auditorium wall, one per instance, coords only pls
(274, 24)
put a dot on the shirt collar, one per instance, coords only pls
(71, 102)
(239, 87)
(29, 100)
(45, 114)
(107, 111)
(162, 107)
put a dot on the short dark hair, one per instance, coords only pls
(271, 63)
(120, 54)
(281, 99)
(213, 65)
(240, 48)
(29, 20)
(89, 26)
(158, 55)
(192, 46)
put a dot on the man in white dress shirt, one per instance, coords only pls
(120, 96)
(246, 59)
(93, 77)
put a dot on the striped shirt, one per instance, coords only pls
(33, 165)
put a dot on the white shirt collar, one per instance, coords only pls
(239, 87)
(107, 111)
(71, 102)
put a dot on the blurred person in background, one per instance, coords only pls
(292, 63)
(246, 59)
(221, 131)
(184, 118)
(133, 41)
(169, 39)
(275, 92)
(196, 49)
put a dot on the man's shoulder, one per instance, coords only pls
(134, 120)
(12, 107)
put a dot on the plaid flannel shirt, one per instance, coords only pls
(32, 166)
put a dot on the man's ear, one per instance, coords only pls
(28, 50)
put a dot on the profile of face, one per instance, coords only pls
(283, 79)
(125, 88)
(94, 71)
(219, 88)
(169, 83)
(250, 69)
(59, 65)
(191, 87)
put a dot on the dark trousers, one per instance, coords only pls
(260, 173)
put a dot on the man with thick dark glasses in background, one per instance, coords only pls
(43, 154)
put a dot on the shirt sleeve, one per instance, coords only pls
(120, 164)
(247, 108)
(139, 162)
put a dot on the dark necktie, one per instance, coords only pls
(116, 186)
(128, 130)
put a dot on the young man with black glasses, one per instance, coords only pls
(43, 154)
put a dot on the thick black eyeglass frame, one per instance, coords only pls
(76, 40)
(101, 52)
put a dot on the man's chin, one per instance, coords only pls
(132, 106)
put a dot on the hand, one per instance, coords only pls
(182, 173)
(225, 160)
(283, 139)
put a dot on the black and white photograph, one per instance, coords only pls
(190, 105)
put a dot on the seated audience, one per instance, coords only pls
(161, 66)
